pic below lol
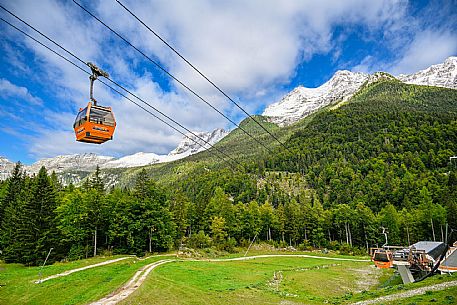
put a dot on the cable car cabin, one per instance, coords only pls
(94, 124)
(383, 259)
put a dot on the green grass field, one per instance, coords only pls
(18, 285)
(302, 280)
(271, 280)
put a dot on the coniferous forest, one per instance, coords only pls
(381, 160)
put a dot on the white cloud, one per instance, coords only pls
(366, 65)
(416, 41)
(428, 48)
(9, 90)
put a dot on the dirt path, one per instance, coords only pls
(243, 258)
(407, 294)
(68, 272)
(81, 269)
(132, 285)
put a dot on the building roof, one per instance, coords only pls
(432, 248)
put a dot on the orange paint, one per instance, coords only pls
(90, 128)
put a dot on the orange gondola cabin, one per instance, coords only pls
(94, 124)
(382, 258)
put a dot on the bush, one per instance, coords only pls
(334, 245)
(229, 245)
(283, 244)
(305, 246)
(345, 249)
(360, 251)
(199, 240)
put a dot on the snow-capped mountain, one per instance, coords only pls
(72, 168)
(185, 148)
(302, 101)
(296, 105)
(77, 162)
(188, 145)
(6, 167)
(440, 75)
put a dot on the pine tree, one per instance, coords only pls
(96, 181)
(12, 208)
(154, 220)
(140, 189)
(37, 227)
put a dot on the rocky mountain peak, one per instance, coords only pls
(440, 75)
(302, 101)
(6, 167)
(188, 145)
(82, 162)
(72, 168)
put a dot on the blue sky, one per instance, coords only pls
(257, 51)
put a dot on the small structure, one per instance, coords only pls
(449, 263)
(418, 260)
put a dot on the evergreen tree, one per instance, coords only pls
(12, 203)
(156, 220)
(37, 228)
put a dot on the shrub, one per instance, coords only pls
(199, 240)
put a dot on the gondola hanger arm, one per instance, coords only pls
(96, 72)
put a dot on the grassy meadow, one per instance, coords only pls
(265, 280)
(301, 280)
(18, 287)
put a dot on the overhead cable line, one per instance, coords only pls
(173, 77)
(201, 74)
(117, 91)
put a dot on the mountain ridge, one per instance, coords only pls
(302, 101)
(87, 162)
(296, 105)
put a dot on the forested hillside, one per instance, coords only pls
(381, 160)
(389, 150)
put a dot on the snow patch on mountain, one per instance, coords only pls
(184, 149)
(78, 162)
(138, 159)
(440, 75)
(302, 101)
(6, 167)
(192, 144)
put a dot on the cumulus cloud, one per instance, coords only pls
(428, 47)
(416, 40)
